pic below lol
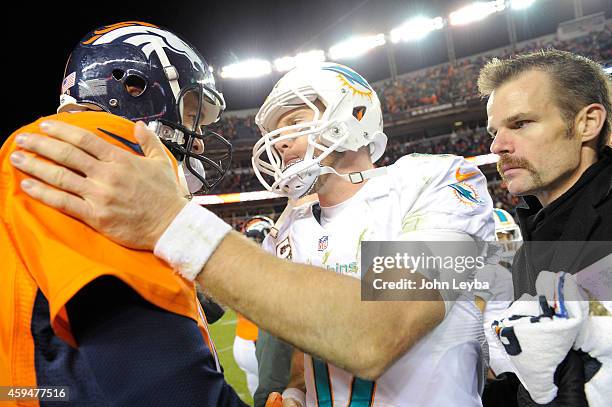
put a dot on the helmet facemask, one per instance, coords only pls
(352, 119)
(205, 155)
(299, 177)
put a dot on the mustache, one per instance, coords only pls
(514, 162)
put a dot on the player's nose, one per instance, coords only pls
(197, 147)
(283, 146)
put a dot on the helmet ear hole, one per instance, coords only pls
(359, 112)
(134, 85)
(118, 74)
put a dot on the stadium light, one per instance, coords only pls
(310, 57)
(521, 4)
(416, 28)
(303, 58)
(284, 64)
(476, 12)
(251, 68)
(356, 46)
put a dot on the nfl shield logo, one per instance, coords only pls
(323, 243)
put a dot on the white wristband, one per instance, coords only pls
(295, 394)
(191, 239)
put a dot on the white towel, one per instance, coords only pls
(595, 339)
(538, 332)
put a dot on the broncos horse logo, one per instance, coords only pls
(146, 36)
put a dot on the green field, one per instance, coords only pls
(223, 332)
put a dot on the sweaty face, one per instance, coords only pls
(530, 135)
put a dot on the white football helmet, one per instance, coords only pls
(507, 232)
(352, 119)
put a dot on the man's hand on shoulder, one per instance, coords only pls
(128, 198)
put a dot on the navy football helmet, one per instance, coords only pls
(143, 72)
(257, 228)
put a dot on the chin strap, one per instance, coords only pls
(169, 69)
(356, 177)
(281, 219)
(291, 205)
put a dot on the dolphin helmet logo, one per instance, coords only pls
(355, 82)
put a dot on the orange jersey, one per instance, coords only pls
(43, 250)
(245, 329)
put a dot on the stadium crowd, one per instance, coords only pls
(433, 86)
(444, 83)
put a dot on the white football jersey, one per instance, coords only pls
(418, 192)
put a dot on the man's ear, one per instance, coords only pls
(589, 121)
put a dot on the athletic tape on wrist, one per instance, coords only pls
(191, 239)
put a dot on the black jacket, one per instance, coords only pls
(568, 235)
(582, 215)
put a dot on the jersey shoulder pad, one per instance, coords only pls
(114, 129)
(417, 171)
